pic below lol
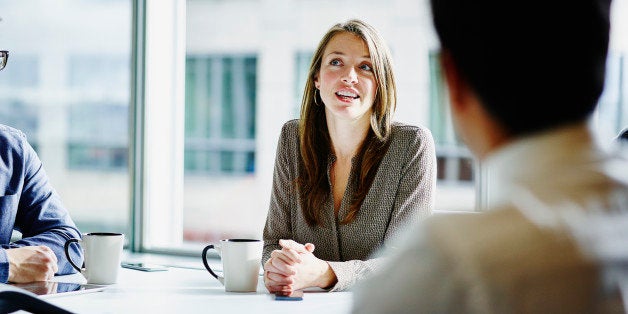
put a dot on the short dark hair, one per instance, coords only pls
(534, 64)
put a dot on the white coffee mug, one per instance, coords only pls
(241, 261)
(103, 253)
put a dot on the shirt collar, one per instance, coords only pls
(518, 164)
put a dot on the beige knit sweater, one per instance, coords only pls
(401, 194)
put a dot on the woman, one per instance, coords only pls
(346, 179)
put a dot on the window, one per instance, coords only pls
(302, 61)
(98, 136)
(228, 175)
(67, 87)
(210, 99)
(455, 162)
(21, 72)
(103, 73)
(612, 113)
(20, 114)
(220, 115)
(456, 167)
(205, 167)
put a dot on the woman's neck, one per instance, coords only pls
(347, 136)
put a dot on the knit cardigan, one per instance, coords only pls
(401, 194)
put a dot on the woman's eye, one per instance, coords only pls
(366, 67)
(335, 62)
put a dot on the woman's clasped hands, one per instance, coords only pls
(295, 267)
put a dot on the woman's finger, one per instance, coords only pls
(293, 255)
(279, 254)
(269, 266)
(293, 245)
(282, 268)
(279, 279)
(282, 289)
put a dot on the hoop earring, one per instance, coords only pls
(316, 98)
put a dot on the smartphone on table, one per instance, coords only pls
(296, 295)
(144, 266)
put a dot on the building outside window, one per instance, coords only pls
(454, 161)
(220, 115)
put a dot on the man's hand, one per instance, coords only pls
(31, 263)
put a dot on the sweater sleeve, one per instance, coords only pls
(350, 272)
(414, 200)
(278, 220)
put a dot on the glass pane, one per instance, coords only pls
(302, 63)
(456, 170)
(67, 87)
(612, 112)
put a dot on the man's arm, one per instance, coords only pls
(43, 221)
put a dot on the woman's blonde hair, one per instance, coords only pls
(315, 144)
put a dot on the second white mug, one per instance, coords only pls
(241, 261)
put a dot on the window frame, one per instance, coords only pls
(156, 148)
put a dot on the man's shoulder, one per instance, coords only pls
(495, 232)
(503, 253)
(462, 232)
(10, 135)
(6, 130)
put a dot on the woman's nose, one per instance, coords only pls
(350, 76)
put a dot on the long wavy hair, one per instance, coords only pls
(315, 143)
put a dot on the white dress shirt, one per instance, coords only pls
(549, 241)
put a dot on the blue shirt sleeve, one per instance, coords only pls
(36, 207)
(4, 266)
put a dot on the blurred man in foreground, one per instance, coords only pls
(523, 80)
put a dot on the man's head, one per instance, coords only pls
(533, 65)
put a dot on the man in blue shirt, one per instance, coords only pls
(30, 205)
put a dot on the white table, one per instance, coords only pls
(190, 290)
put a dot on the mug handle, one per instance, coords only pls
(204, 256)
(67, 254)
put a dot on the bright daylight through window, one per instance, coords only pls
(67, 88)
(216, 96)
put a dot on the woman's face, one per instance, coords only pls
(346, 80)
